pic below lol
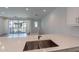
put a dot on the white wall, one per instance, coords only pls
(2, 26)
(6, 29)
(55, 23)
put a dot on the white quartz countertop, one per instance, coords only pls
(17, 44)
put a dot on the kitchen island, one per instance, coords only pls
(64, 42)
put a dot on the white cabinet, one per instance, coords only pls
(73, 16)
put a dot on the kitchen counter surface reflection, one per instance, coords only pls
(17, 44)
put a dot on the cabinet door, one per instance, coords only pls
(72, 16)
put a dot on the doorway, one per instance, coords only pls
(19, 28)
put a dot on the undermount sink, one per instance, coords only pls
(31, 45)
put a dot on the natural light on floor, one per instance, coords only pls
(17, 35)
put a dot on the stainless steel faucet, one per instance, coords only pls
(39, 36)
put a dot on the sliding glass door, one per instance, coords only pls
(19, 27)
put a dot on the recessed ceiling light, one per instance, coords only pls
(27, 9)
(44, 10)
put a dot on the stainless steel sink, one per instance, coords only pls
(31, 45)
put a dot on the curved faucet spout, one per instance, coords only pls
(39, 37)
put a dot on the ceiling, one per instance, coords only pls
(31, 12)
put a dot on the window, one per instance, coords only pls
(36, 24)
